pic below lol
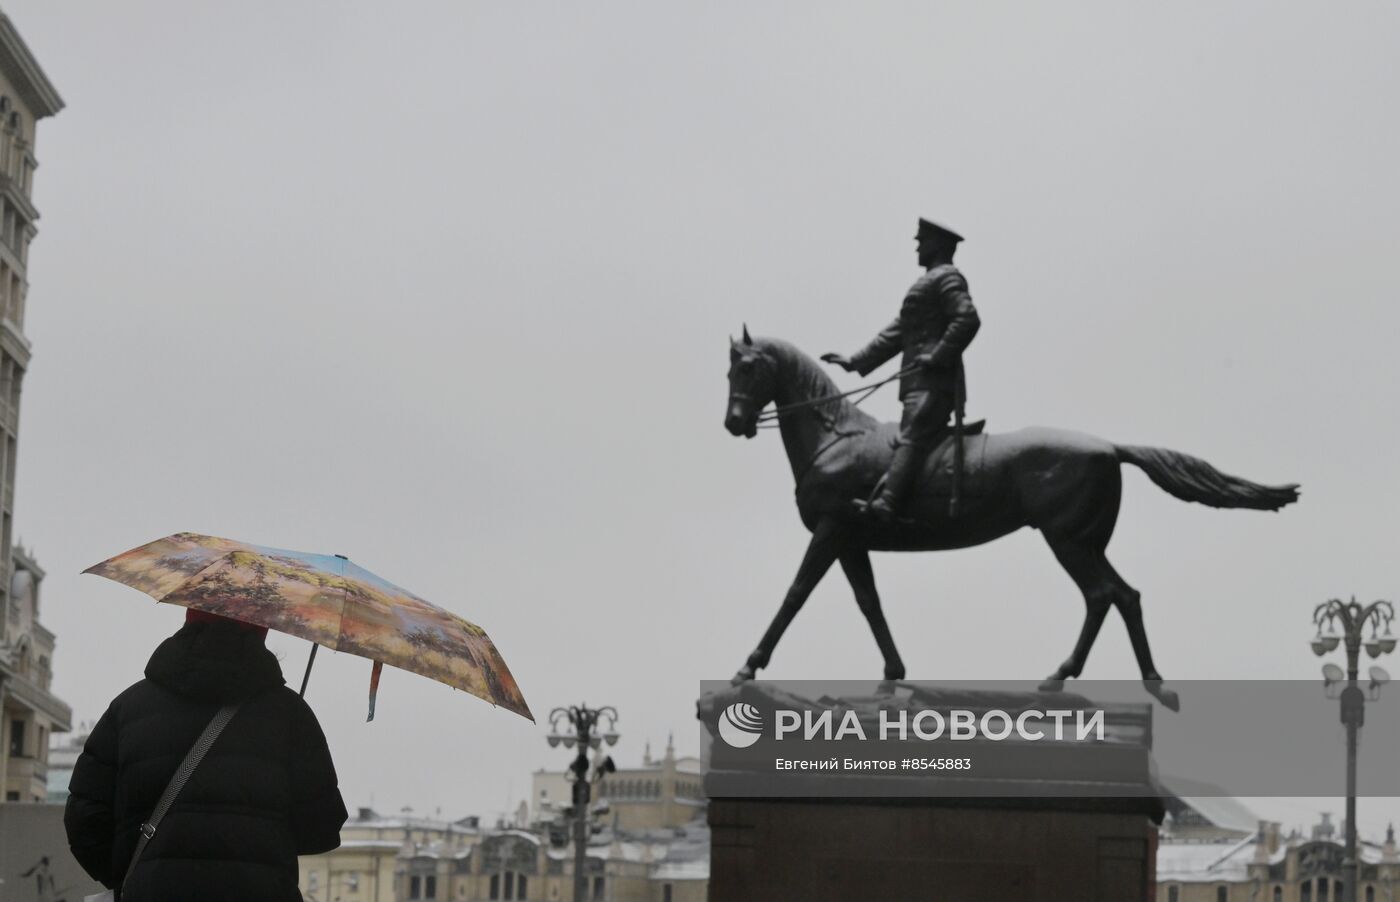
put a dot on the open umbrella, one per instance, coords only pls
(323, 598)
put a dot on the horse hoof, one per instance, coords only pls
(1052, 684)
(1169, 699)
(743, 676)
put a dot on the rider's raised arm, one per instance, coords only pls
(884, 346)
(963, 321)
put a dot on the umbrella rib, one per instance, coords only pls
(196, 579)
(344, 600)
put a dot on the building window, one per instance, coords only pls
(1370, 894)
(352, 881)
(1278, 894)
(430, 887)
(313, 881)
(666, 892)
(599, 886)
(12, 796)
(1322, 887)
(17, 738)
(415, 888)
(509, 886)
(1306, 895)
(1222, 894)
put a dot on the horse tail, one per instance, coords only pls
(1192, 479)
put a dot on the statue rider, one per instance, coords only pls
(935, 324)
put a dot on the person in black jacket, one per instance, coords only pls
(265, 792)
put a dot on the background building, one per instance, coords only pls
(26, 96)
(656, 795)
(1264, 866)
(33, 847)
(407, 859)
(650, 844)
(375, 854)
(31, 714)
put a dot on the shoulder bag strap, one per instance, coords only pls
(177, 782)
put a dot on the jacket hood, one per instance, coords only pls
(214, 662)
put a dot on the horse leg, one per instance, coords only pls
(862, 580)
(1129, 603)
(1082, 566)
(1102, 588)
(821, 554)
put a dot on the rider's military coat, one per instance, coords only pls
(936, 321)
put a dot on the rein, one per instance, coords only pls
(769, 419)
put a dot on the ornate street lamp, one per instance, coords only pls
(1353, 620)
(579, 725)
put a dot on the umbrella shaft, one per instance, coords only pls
(309, 661)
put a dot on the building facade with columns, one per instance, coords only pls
(1265, 866)
(31, 713)
(412, 859)
(26, 96)
(514, 865)
(369, 865)
(659, 794)
(650, 843)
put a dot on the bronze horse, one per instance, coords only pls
(1065, 484)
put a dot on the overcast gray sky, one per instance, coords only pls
(445, 287)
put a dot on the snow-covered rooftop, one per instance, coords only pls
(682, 870)
(1208, 862)
(368, 844)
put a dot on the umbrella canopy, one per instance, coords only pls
(323, 598)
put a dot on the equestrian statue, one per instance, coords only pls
(923, 485)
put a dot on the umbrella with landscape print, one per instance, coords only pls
(323, 598)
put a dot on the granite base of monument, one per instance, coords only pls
(838, 850)
(1091, 839)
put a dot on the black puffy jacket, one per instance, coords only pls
(265, 793)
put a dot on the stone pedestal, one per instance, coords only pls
(887, 850)
(1089, 837)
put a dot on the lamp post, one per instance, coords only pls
(578, 725)
(1353, 620)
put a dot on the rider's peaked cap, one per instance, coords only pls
(934, 230)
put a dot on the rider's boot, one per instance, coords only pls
(903, 469)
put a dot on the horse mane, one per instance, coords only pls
(805, 378)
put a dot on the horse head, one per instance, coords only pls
(752, 384)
